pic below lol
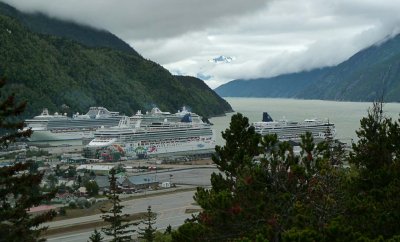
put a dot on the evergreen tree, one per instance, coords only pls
(19, 183)
(119, 223)
(263, 190)
(10, 129)
(168, 230)
(92, 188)
(95, 236)
(148, 233)
(375, 192)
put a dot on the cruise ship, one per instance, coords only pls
(58, 127)
(157, 138)
(156, 115)
(290, 130)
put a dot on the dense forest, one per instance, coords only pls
(266, 192)
(65, 75)
(40, 23)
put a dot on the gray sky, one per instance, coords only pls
(265, 37)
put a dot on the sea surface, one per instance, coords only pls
(345, 115)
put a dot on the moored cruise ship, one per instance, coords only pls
(156, 115)
(290, 130)
(57, 127)
(156, 138)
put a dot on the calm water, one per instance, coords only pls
(345, 115)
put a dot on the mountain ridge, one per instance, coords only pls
(366, 76)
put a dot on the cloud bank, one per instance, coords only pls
(266, 38)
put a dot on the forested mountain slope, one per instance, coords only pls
(366, 76)
(56, 72)
(40, 23)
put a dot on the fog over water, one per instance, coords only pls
(345, 115)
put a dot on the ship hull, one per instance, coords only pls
(146, 143)
(47, 135)
(294, 133)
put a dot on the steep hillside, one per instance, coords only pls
(55, 72)
(39, 23)
(281, 86)
(366, 76)
(212, 102)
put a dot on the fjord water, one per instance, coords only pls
(345, 115)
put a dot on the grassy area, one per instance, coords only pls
(78, 212)
(87, 226)
(95, 208)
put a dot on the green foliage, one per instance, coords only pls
(72, 205)
(92, 188)
(365, 76)
(9, 123)
(61, 74)
(304, 235)
(62, 211)
(31, 153)
(265, 192)
(375, 193)
(88, 36)
(18, 194)
(119, 225)
(70, 172)
(120, 168)
(53, 181)
(148, 233)
(19, 184)
(162, 237)
(192, 231)
(213, 104)
(168, 230)
(95, 236)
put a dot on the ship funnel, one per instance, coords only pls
(187, 118)
(266, 117)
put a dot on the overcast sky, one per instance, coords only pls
(265, 37)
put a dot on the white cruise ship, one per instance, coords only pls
(155, 138)
(156, 115)
(57, 127)
(289, 130)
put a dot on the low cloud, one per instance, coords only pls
(143, 19)
(266, 37)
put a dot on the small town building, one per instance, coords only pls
(166, 185)
(103, 183)
(97, 169)
(138, 182)
(82, 191)
(41, 209)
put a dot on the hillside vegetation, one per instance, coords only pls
(55, 72)
(40, 23)
(366, 76)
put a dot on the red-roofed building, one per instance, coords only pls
(41, 209)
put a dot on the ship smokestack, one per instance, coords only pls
(266, 117)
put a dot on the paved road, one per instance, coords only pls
(170, 209)
(196, 177)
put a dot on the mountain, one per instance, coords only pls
(222, 59)
(40, 23)
(366, 76)
(70, 73)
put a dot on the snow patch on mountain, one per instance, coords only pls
(222, 59)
